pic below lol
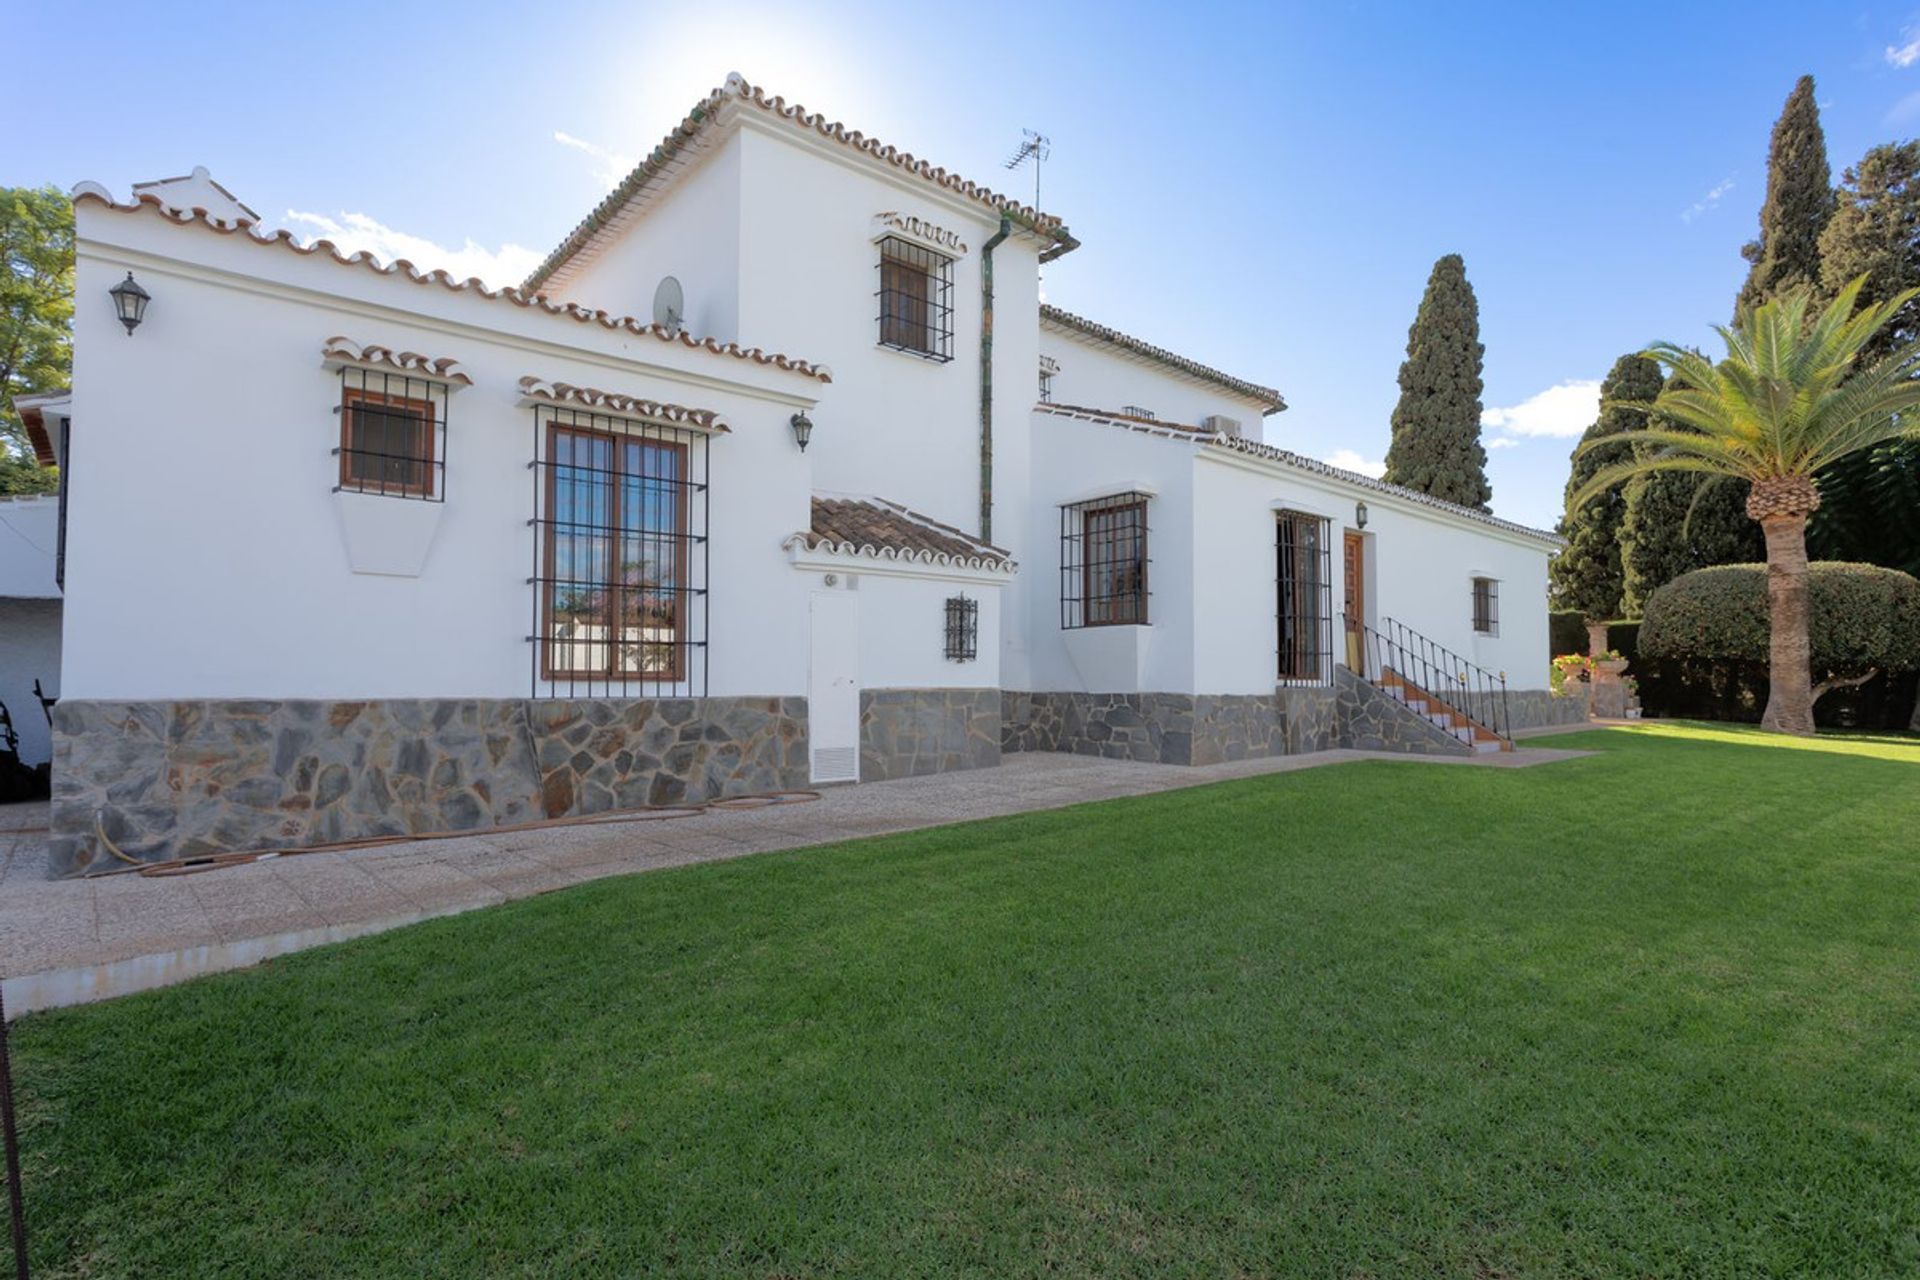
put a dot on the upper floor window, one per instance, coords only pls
(1486, 606)
(1103, 562)
(916, 299)
(1048, 368)
(393, 431)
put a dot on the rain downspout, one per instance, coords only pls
(986, 377)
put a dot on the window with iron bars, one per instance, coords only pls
(963, 629)
(621, 557)
(1304, 597)
(1486, 606)
(393, 434)
(1048, 368)
(916, 299)
(1103, 562)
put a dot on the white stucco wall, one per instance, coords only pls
(206, 555)
(30, 608)
(29, 650)
(1421, 564)
(1096, 375)
(903, 630)
(691, 234)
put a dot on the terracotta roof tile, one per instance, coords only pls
(88, 191)
(670, 156)
(1272, 399)
(346, 350)
(612, 402)
(887, 530)
(1300, 462)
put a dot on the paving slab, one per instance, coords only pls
(68, 941)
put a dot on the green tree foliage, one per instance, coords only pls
(1673, 522)
(1868, 502)
(1436, 425)
(1587, 575)
(1799, 203)
(1863, 620)
(36, 315)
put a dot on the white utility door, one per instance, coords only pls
(833, 686)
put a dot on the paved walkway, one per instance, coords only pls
(69, 941)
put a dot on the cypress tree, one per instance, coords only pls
(1436, 425)
(1868, 501)
(1675, 522)
(1588, 574)
(1799, 202)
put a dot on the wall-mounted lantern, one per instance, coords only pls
(802, 430)
(130, 301)
(1359, 515)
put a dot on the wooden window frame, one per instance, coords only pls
(677, 672)
(427, 424)
(916, 299)
(1089, 601)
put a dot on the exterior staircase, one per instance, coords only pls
(1461, 699)
(1447, 719)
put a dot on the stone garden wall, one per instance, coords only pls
(905, 733)
(177, 779)
(1538, 708)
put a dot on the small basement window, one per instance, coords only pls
(393, 434)
(1486, 606)
(1103, 562)
(916, 299)
(963, 629)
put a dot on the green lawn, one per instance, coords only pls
(1650, 1013)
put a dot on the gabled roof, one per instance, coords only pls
(1299, 462)
(883, 530)
(685, 145)
(405, 270)
(1079, 325)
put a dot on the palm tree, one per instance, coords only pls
(1786, 401)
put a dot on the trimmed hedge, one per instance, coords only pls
(1566, 631)
(1701, 651)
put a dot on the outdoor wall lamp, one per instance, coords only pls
(130, 300)
(802, 430)
(1359, 515)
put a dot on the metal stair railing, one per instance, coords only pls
(1398, 650)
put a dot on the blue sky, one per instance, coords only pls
(1262, 187)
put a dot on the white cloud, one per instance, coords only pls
(608, 166)
(1905, 55)
(357, 232)
(1707, 202)
(1351, 460)
(1562, 411)
(1502, 442)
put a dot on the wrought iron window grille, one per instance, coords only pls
(1104, 562)
(1303, 597)
(963, 629)
(916, 299)
(393, 434)
(1486, 606)
(621, 564)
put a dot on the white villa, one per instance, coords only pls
(776, 472)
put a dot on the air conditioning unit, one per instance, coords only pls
(1221, 425)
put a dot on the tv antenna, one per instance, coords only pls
(1035, 147)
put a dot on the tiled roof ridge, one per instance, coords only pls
(822, 536)
(341, 347)
(1300, 461)
(738, 89)
(406, 270)
(616, 403)
(1274, 401)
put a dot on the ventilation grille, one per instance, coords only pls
(836, 764)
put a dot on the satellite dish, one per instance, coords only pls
(669, 305)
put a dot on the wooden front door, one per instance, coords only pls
(1354, 598)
